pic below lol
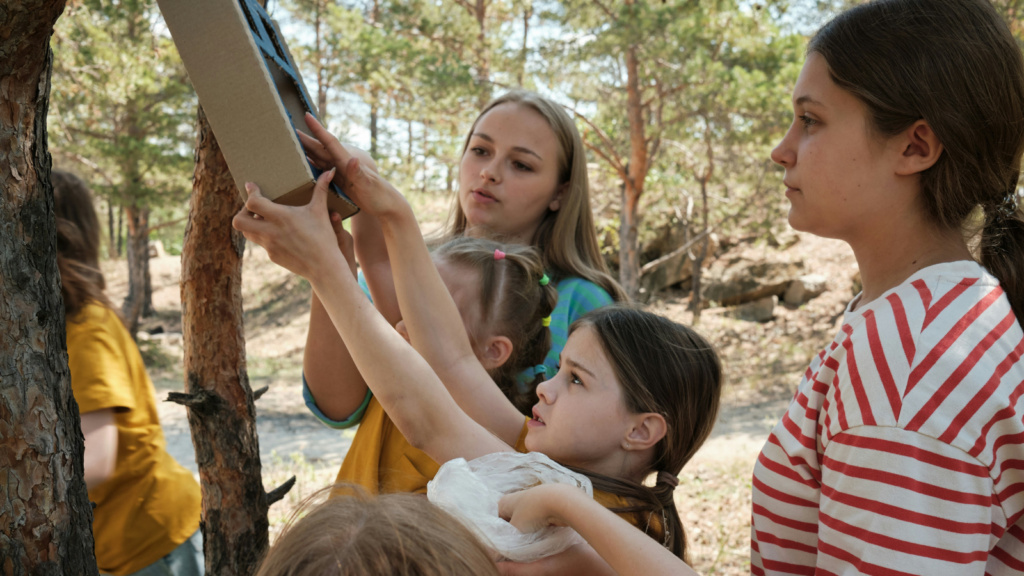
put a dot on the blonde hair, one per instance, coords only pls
(514, 303)
(566, 237)
(390, 535)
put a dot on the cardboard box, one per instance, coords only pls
(252, 93)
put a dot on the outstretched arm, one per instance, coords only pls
(430, 315)
(330, 374)
(302, 240)
(627, 550)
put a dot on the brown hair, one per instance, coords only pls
(955, 64)
(78, 244)
(666, 368)
(566, 238)
(514, 304)
(390, 535)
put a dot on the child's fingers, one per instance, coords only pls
(314, 149)
(257, 203)
(319, 201)
(337, 152)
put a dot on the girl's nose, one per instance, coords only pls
(546, 390)
(491, 172)
(784, 154)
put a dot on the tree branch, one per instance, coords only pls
(604, 9)
(166, 224)
(604, 138)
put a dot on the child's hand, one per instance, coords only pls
(359, 181)
(535, 508)
(299, 238)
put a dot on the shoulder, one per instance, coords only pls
(95, 320)
(582, 293)
(941, 352)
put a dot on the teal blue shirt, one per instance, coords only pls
(576, 297)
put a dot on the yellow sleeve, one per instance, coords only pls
(521, 442)
(100, 377)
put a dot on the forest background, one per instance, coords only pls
(679, 103)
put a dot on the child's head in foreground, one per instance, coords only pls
(636, 394)
(389, 535)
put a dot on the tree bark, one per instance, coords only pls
(45, 515)
(636, 174)
(138, 267)
(120, 231)
(112, 247)
(221, 413)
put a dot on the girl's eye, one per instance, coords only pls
(574, 379)
(478, 151)
(521, 166)
(807, 120)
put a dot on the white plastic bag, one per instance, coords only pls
(470, 491)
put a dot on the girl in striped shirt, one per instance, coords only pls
(903, 449)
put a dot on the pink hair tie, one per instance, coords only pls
(498, 254)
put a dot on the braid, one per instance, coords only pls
(514, 304)
(647, 503)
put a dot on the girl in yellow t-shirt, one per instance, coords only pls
(635, 396)
(146, 518)
(505, 299)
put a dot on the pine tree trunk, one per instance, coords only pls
(629, 254)
(138, 267)
(120, 231)
(221, 410)
(45, 515)
(112, 247)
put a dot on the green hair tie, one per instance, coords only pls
(544, 280)
(546, 321)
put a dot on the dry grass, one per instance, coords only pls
(714, 505)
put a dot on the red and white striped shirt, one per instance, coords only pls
(903, 449)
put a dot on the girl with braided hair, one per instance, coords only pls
(635, 394)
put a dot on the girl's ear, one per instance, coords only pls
(556, 202)
(495, 352)
(921, 149)
(648, 429)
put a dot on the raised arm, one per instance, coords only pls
(627, 550)
(302, 240)
(430, 315)
(330, 374)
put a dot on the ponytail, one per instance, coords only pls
(1002, 250)
(653, 508)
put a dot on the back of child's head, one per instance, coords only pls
(955, 64)
(78, 243)
(515, 299)
(389, 535)
(666, 368)
(566, 237)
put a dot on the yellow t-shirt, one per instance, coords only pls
(382, 461)
(150, 505)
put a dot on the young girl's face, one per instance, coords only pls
(581, 417)
(508, 177)
(839, 173)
